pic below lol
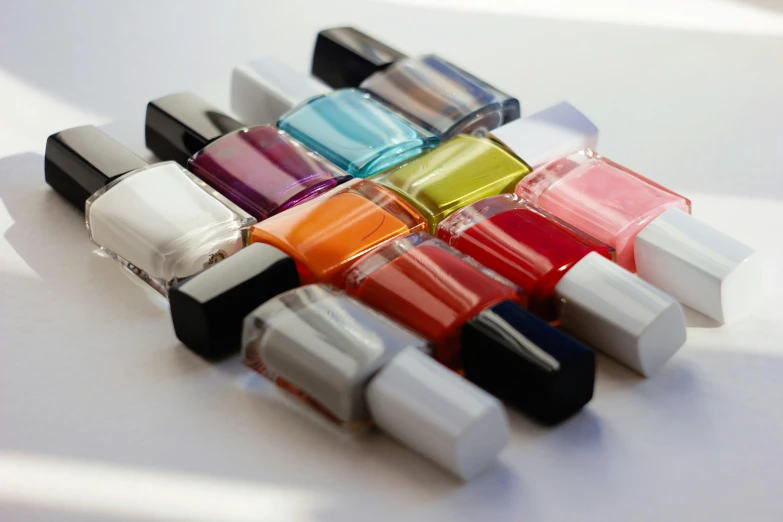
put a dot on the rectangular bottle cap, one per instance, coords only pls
(524, 361)
(700, 266)
(617, 313)
(208, 309)
(345, 57)
(548, 134)
(265, 89)
(82, 160)
(437, 413)
(179, 125)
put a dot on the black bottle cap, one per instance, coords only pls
(179, 125)
(208, 309)
(523, 360)
(82, 160)
(345, 57)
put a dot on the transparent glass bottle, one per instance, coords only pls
(652, 231)
(466, 168)
(476, 325)
(327, 234)
(159, 221)
(569, 277)
(429, 90)
(261, 169)
(357, 368)
(348, 127)
(601, 198)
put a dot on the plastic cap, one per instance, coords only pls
(82, 160)
(265, 89)
(439, 414)
(700, 266)
(345, 57)
(616, 312)
(179, 125)
(523, 360)
(208, 309)
(548, 134)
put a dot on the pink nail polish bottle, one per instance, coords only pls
(601, 198)
(652, 232)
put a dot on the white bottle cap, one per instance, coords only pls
(699, 265)
(265, 89)
(438, 413)
(617, 313)
(548, 134)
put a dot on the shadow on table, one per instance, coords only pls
(50, 237)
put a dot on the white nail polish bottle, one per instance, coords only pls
(159, 221)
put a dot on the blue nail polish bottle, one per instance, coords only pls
(348, 127)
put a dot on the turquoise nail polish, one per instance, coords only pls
(348, 127)
(355, 132)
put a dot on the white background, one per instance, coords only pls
(105, 416)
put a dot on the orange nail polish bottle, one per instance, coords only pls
(325, 235)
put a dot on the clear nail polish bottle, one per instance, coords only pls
(159, 221)
(652, 231)
(348, 127)
(467, 168)
(261, 169)
(429, 90)
(570, 277)
(476, 325)
(357, 367)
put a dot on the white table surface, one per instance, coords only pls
(105, 416)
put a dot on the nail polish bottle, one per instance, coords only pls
(570, 277)
(474, 321)
(356, 366)
(349, 127)
(159, 221)
(429, 90)
(208, 309)
(327, 234)
(262, 170)
(467, 168)
(652, 231)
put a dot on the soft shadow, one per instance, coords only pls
(694, 319)
(768, 5)
(50, 236)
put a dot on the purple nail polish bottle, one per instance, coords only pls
(262, 170)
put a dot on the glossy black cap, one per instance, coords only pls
(528, 363)
(208, 309)
(345, 57)
(82, 160)
(179, 125)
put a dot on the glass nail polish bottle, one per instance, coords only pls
(262, 170)
(652, 231)
(357, 367)
(348, 127)
(429, 90)
(522, 243)
(467, 168)
(474, 321)
(570, 277)
(327, 234)
(159, 221)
